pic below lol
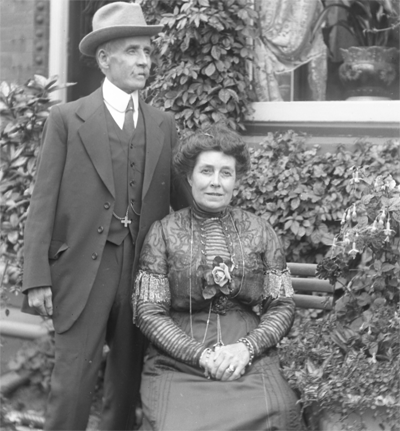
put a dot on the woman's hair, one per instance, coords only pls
(217, 137)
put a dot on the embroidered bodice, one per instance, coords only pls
(176, 272)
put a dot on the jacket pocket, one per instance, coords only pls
(56, 249)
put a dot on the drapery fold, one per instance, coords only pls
(285, 44)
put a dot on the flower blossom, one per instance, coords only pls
(356, 178)
(390, 183)
(374, 227)
(221, 274)
(353, 252)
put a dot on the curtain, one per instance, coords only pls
(285, 44)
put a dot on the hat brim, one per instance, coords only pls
(91, 41)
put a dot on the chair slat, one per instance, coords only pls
(302, 269)
(312, 285)
(304, 281)
(313, 301)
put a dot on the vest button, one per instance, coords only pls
(131, 183)
(100, 229)
(107, 205)
(94, 256)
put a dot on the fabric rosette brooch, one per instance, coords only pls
(219, 279)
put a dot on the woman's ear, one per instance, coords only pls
(189, 180)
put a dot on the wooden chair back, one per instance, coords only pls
(310, 291)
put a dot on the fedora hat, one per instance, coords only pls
(113, 21)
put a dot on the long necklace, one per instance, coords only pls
(219, 332)
(242, 252)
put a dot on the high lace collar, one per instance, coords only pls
(200, 213)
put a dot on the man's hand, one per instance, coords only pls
(40, 298)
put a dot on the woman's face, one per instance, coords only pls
(212, 180)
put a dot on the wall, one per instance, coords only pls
(24, 39)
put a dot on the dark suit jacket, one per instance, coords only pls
(73, 200)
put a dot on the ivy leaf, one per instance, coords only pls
(386, 267)
(171, 94)
(295, 203)
(5, 89)
(295, 227)
(3, 107)
(216, 52)
(14, 220)
(210, 69)
(364, 299)
(224, 95)
(13, 237)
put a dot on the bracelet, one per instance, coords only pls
(250, 348)
(206, 352)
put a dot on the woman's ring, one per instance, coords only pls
(230, 369)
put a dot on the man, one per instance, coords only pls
(103, 178)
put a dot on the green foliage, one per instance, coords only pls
(23, 111)
(303, 192)
(36, 358)
(350, 356)
(204, 53)
(5, 423)
(330, 365)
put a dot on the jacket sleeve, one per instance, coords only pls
(278, 307)
(41, 214)
(152, 301)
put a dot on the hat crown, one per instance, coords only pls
(114, 21)
(118, 14)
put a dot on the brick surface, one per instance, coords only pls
(17, 23)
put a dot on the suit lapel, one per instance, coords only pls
(94, 135)
(154, 144)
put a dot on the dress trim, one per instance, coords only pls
(278, 284)
(150, 288)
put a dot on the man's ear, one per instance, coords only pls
(102, 58)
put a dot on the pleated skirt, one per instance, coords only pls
(176, 396)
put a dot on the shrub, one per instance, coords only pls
(349, 358)
(204, 52)
(23, 110)
(303, 192)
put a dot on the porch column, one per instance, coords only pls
(58, 48)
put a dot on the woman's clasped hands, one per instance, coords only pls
(225, 363)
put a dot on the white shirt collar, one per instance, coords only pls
(117, 98)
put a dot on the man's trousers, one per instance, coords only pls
(107, 318)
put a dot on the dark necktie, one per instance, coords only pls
(129, 125)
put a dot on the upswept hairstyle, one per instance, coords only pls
(217, 137)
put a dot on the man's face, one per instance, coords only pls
(126, 62)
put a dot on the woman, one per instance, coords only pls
(214, 296)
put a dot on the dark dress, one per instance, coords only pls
(183, 309)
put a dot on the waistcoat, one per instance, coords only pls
(128, 161)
